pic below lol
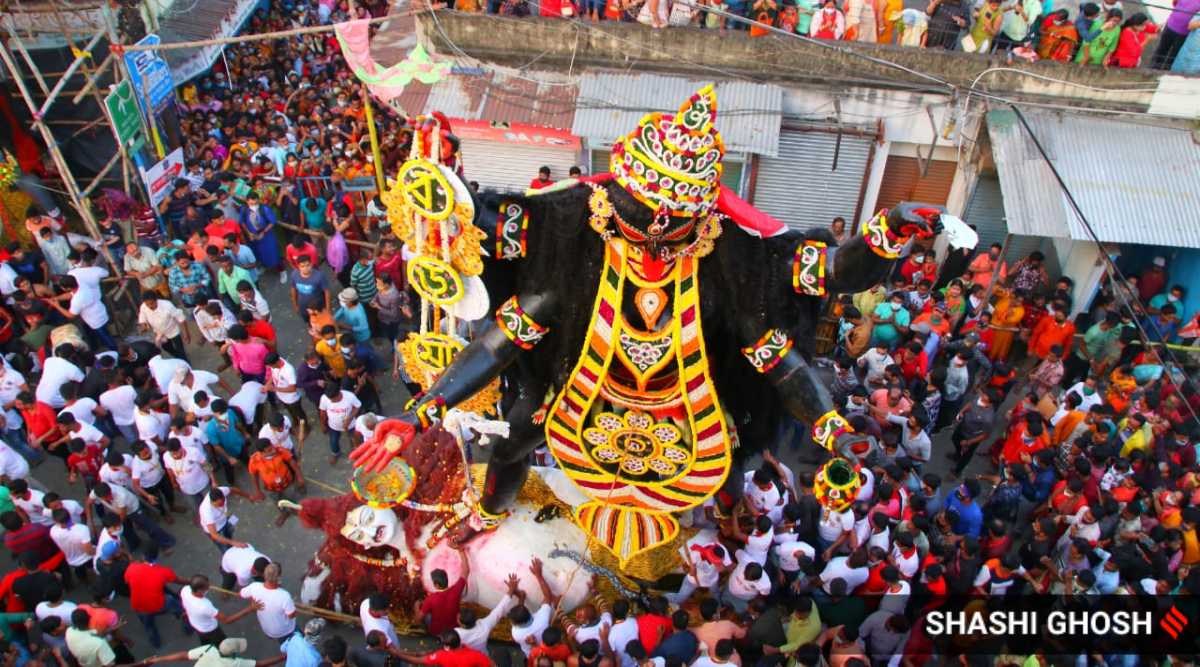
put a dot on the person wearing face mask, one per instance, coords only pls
(972, 426)
(891, 319)
(258, 223)
(829, 22)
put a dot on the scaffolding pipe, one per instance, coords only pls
(91, 83)
(38, 114)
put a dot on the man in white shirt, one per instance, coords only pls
(277, 616)
(163, 370)
(166, 322)
(189, 471)
(875, 360)
(747, 582)
(241, 565)
(624, 630)
(125, 504)
(216, 518)
(120, 402)
(281, 379)
(338, 409)
(13, 466)
(148, 479)
(374, 615)
(203, 615)
(74, 540)
(31, 502)
(150, 424)
(851, 569)
(12, 384)
(834, 529)
(278, 431)
(527, 628)
(57, 371)
(186, 383)
(703, 564)
(88, 307)
(788, 554)
(54, 604)
(473, 631)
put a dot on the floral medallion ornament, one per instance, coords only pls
(837, 484)
(518, 326)
(768, 351)
(829, 428)
(636, 445)
(880, 237)
(808, 268)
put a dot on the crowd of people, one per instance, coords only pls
(1103, 32)
(1072, 438)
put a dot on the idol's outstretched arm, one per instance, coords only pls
(865, 260)
(501, 341)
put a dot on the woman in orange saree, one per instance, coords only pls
(1006, 318)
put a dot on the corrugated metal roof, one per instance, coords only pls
(1135, 183)
(496, 97)
(611, 104)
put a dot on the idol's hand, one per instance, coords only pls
(913, 219)
(390, 438)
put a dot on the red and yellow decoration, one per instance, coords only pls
(880, 237)
(828, 428)
(768, 351)
(808, 268)
(512, 226)
(837, 484)
(672, 162)
(520, 328)
(670, 453)
(628, 533)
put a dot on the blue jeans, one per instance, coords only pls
(145, 522)
(15, 437)
(171, 606)
(335, 439)
(101, 337)
(227, 533)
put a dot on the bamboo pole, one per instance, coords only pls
(100, 176)
(38, 114)
(12, 33)
(280, 34)
(95, 78)
(60, 164)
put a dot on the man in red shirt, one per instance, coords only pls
(260, 329)
(542, 180)
(300, 246)
(41, 423)
(452, 653)
(148, 593)
(439, 610)
(654, 624)
(1051, 331)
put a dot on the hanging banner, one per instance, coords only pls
(150, 74)
(385, 83)
(160, 177)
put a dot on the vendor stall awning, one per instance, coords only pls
(611, 104)
(1135, 182)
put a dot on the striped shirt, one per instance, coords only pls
(362, 279)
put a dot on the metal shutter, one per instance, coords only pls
(902, 181)
(800, 186)
(510, 167)
(986, 212)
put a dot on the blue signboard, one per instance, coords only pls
(150, 74)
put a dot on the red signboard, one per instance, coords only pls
(515, 133)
